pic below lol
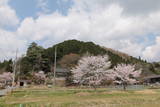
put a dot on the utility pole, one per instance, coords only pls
(19, 71)
(14, 69)
(55, 59)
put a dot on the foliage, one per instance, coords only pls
(6, 65)
(68, 61)
(91, 70)
(75, 47)
(155, 67)
(34, 61)
(34, 55)
(6, 76)
(6, 79)
(39, 78)
(68, 53)
(125, 74)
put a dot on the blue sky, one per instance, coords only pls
(29, 8)
(24, 8)
(131, 27)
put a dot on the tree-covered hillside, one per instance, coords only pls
(81, 48)
(6, 66)
(38, 58)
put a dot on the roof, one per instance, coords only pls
(61, 70)
(153, 76)
(24, 80)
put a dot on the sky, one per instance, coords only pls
(130, 26)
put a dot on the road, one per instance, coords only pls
(4, 91)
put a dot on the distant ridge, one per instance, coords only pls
(121, 54)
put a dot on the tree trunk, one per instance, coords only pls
(95, 88)
(124, 86)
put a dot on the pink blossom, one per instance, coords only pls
(39, 77)
(126, 74)
(91, 70)
(6, 76)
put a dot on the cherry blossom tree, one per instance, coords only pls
(91, 70)
(39, 77)
(125, 74)
(6, 78)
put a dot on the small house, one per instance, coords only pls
(23, 83)
(152, 79)
(62, 72)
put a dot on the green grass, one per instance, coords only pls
(74, 97)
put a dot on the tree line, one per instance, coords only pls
(69, 52)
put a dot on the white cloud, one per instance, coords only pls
(131, 7)
(152, 52)
(9, 43)
(7, 15)
(110, 23)
(43, 5)
(108, 27)
(3, 2)
(8, 40)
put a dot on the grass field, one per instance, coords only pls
(74, 97)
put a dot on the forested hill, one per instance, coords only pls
(81, 48)
(68, 53)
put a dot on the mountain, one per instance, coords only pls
(81, 48)
(37, 58)
(121, 54)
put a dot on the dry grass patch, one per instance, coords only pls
(83, 94)
(147, 91)
(63, 97)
